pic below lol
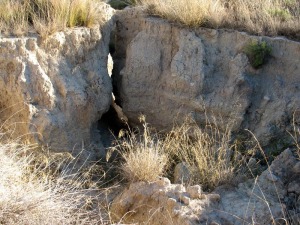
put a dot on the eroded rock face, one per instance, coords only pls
(268, 196)
(54, 91)
(167, 72)
(262, 200)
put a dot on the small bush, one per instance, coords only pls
(13, 17)
(257, 53)
(144, 157)
(296, 131)
(281, 14)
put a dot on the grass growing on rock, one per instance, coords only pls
(257, 53)
(261, 17)
(47, 16)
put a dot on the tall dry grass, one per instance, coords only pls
(262, 17)
(143, 155)
(13, 16)
(42, 193)
(47, 16)
(207, 152)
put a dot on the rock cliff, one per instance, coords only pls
(167, 72)
(54, 91)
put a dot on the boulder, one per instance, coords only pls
(53, 91)
(159, 202)
(182, 174)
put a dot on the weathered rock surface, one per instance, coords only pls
(159, 203)
(166, 72)
(256, 201)
(265, 198)
(54, 91)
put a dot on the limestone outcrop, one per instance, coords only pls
(262, 200)
(167, 72)
(54, 91)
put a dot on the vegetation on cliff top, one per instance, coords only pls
(261, 17)
(46, 16)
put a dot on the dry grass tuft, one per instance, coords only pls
(262, 17)
(207, 152)
(192, 13)
(13, 16)
(47, 16)
(144, 156)
(31, 194)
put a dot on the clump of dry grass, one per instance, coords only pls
(30, 194)
(262, 17)
(47, 16)
(144, 156)
(206, 151)
(13, 14)
(191, 13)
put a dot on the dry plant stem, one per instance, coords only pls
(296, 135)
(266, 160)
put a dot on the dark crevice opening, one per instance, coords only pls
(114, 119)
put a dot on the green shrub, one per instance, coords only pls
(257, 53)
(281, 14)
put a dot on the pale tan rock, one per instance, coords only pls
(167, 72)
(296, 168)
(264, 194)
(194, 191)
(54, 91)
(182, 173)
(155, 204)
